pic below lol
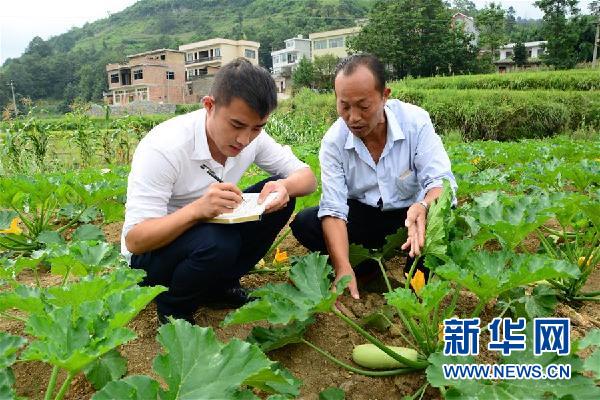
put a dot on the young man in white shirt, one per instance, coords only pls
(170, 194)
(382, 164)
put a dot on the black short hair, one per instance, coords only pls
(249, 82)
(349, 64)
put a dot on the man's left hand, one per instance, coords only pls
(282, 196)
(416, 219)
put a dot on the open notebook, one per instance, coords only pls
(248, 210)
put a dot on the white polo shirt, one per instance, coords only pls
(166, 175)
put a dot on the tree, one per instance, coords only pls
(413, 37)
(324, 71)
(520, 54)
(511, 20)
(491, 24)
(303, 75)
(561, 50)
(466, 7)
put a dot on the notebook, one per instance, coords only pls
(248, 210)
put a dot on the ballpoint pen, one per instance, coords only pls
(211, 173)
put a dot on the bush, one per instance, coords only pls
(186, 108)
(504, 114)
(580, 79)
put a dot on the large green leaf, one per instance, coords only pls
(283, 303)
(9, 345)
(392, 243)
(88, 232)
(24, 298)
(407, 302)
(592, 362)
(489, 274)
(511, 218)
(109, 367)
(72, 342)
(276, 337)
(134, 387)
(539, 303)
(439, 221)
(85, 257)
(196, 365)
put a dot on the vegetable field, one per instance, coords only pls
(522, 242)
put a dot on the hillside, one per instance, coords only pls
(72, 64)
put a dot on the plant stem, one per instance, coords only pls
(586, 298)
(590, 294)
(410, 273)
(51, 383)
(385, 278)
(478, 309)
(353, 369)
(65, 386)
(378, 343)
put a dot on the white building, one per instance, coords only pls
(287, 59)
(468, 25)
(534, 52)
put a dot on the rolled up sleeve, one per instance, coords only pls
(432, 162)
(334, 192)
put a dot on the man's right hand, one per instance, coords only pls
(352, 287)
(219, 198)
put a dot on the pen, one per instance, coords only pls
(211, 173)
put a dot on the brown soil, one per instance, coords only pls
(316, 372)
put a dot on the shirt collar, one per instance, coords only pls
(201, 151)
(394, 132)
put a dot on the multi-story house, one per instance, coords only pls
(331, 42)
(534, 51)
(287, 59)
(203, 59)
(468, 25)
(156, 76)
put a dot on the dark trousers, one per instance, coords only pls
(209, 258)
(367, 226)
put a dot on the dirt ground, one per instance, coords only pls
(316, 372)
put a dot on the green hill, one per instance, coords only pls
(72, 64)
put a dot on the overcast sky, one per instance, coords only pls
(22, 20)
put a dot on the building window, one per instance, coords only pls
(289, 44)
(189, 56)
(137, 74)
(114, 78)
(170, 75)
(291, 58)
(320, 44)
(217, 52)
(336, 42)
(250, 53)
(509, 54)
(163, 57)
(530, 53)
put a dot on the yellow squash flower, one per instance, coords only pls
(418, 281)
(476, 160)
(14, 227)
(281, 256)
(581, 261)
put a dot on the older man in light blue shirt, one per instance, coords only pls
(382, 164)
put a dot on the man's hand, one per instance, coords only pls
(218, 199)
(282, 196)
(416, 219)
(352, 287)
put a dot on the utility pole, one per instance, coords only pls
(595, 56)
(12, 88)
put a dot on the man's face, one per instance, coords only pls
(358, 101)
(231, 127)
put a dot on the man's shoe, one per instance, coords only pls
(233, 297)
(164, 319)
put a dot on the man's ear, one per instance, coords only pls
(208, 102)
(386, 93)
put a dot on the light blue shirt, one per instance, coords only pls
(412, 162)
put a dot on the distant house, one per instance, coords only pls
(156, 76)
(203, 60)
(534, 51)
(331, 42)
(287, 59)
(468, 25)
